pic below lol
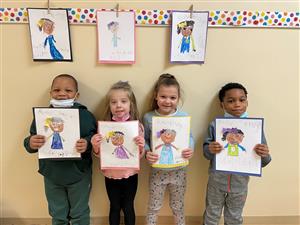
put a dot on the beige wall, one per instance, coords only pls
(264, 60)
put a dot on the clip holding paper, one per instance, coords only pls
(117, 10)
(48, 6)
(191, 11)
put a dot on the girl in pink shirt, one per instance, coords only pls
(121, 185)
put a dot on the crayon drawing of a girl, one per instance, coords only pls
(56, 124)
(114, 28)
(234, 138)
(167, 136)
(185, 28)
(117, 139)
(47, 26)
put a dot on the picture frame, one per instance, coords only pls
(188, 36)
(61, 128)
(239, 136)
(116, 37)
(170, 135)
(118, 149)
(49, 34)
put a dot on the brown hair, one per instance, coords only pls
(125, 86)
(165, 79)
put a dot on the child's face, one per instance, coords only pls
(233, 138)
(119, 103)
(63, 88)
(235, 102)
(168, 137)
(167, 99)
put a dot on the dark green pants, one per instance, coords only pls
(69, 203)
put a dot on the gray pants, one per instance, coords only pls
(175, 182)
(233, 204)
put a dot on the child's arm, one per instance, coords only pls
(140, 142)
(88, 127)
(151, 157)
(263, 151)
(33, 142)
(36, 141)
(210, 146)
(81, 145)
(96, 143)
(187, 153)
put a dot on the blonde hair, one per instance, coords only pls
(125, 86)
(42, 21)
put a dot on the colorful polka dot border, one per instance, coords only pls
(163, 17)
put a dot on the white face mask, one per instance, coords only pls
(244, 115)
(62, 103)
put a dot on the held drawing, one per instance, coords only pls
(118, 149)
(61, 128)
(238, 136)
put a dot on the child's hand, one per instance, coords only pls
(187, 153)
(151, 157)
(140, 142)
(261, 150)
(81, 145)
(215, 147)
(37, 141)
(96, 141)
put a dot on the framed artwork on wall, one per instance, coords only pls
(188, 36)
(50, 34)
(116, 37)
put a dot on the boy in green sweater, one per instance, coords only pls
(67, 182)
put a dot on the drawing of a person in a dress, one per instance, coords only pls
(57, 126)
(114, 28)
(185, 28)
(117, 139)
(47, 26)
(234, 138)
(166, 155)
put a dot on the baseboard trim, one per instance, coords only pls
(272, 220)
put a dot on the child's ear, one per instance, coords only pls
(222, 105)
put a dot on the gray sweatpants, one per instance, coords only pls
(160, 180)
(233, 204)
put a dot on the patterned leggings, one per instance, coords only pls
(175, 181)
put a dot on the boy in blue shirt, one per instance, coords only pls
(228, 191)
(67, 182)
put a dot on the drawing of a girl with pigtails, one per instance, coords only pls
(234, 138)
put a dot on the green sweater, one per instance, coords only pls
(68, 171)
